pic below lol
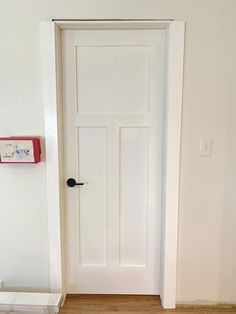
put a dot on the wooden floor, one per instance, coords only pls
(131, 304)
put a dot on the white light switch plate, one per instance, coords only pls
(206, 147)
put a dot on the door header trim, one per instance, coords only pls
(112, 24)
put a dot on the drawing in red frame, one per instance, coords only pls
(20, 150)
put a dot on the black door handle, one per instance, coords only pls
(71, 183)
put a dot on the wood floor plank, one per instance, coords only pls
(126, 304)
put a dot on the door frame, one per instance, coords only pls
(51, 76)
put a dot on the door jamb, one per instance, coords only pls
(50, 44)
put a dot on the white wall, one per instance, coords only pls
(23, 212)
(207, 241)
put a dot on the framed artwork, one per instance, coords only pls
(19, 150)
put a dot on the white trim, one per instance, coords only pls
(51, 100)
(30, 302)
(173, 113)
(113, 24)
(53, 138)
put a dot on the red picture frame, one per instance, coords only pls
(20, 150)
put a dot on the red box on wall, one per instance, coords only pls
(20, 150)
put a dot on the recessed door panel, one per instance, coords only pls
(92, 160)
(116, 76)
(133, 196)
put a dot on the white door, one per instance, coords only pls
(113, 95)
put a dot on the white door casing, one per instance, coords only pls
(52, 104)
(113, 96)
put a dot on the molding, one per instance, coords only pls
(173, 117)
(30, 302)
(112, 24)
(51, 100)
(53, 139)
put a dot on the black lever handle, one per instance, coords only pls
(71, 183)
